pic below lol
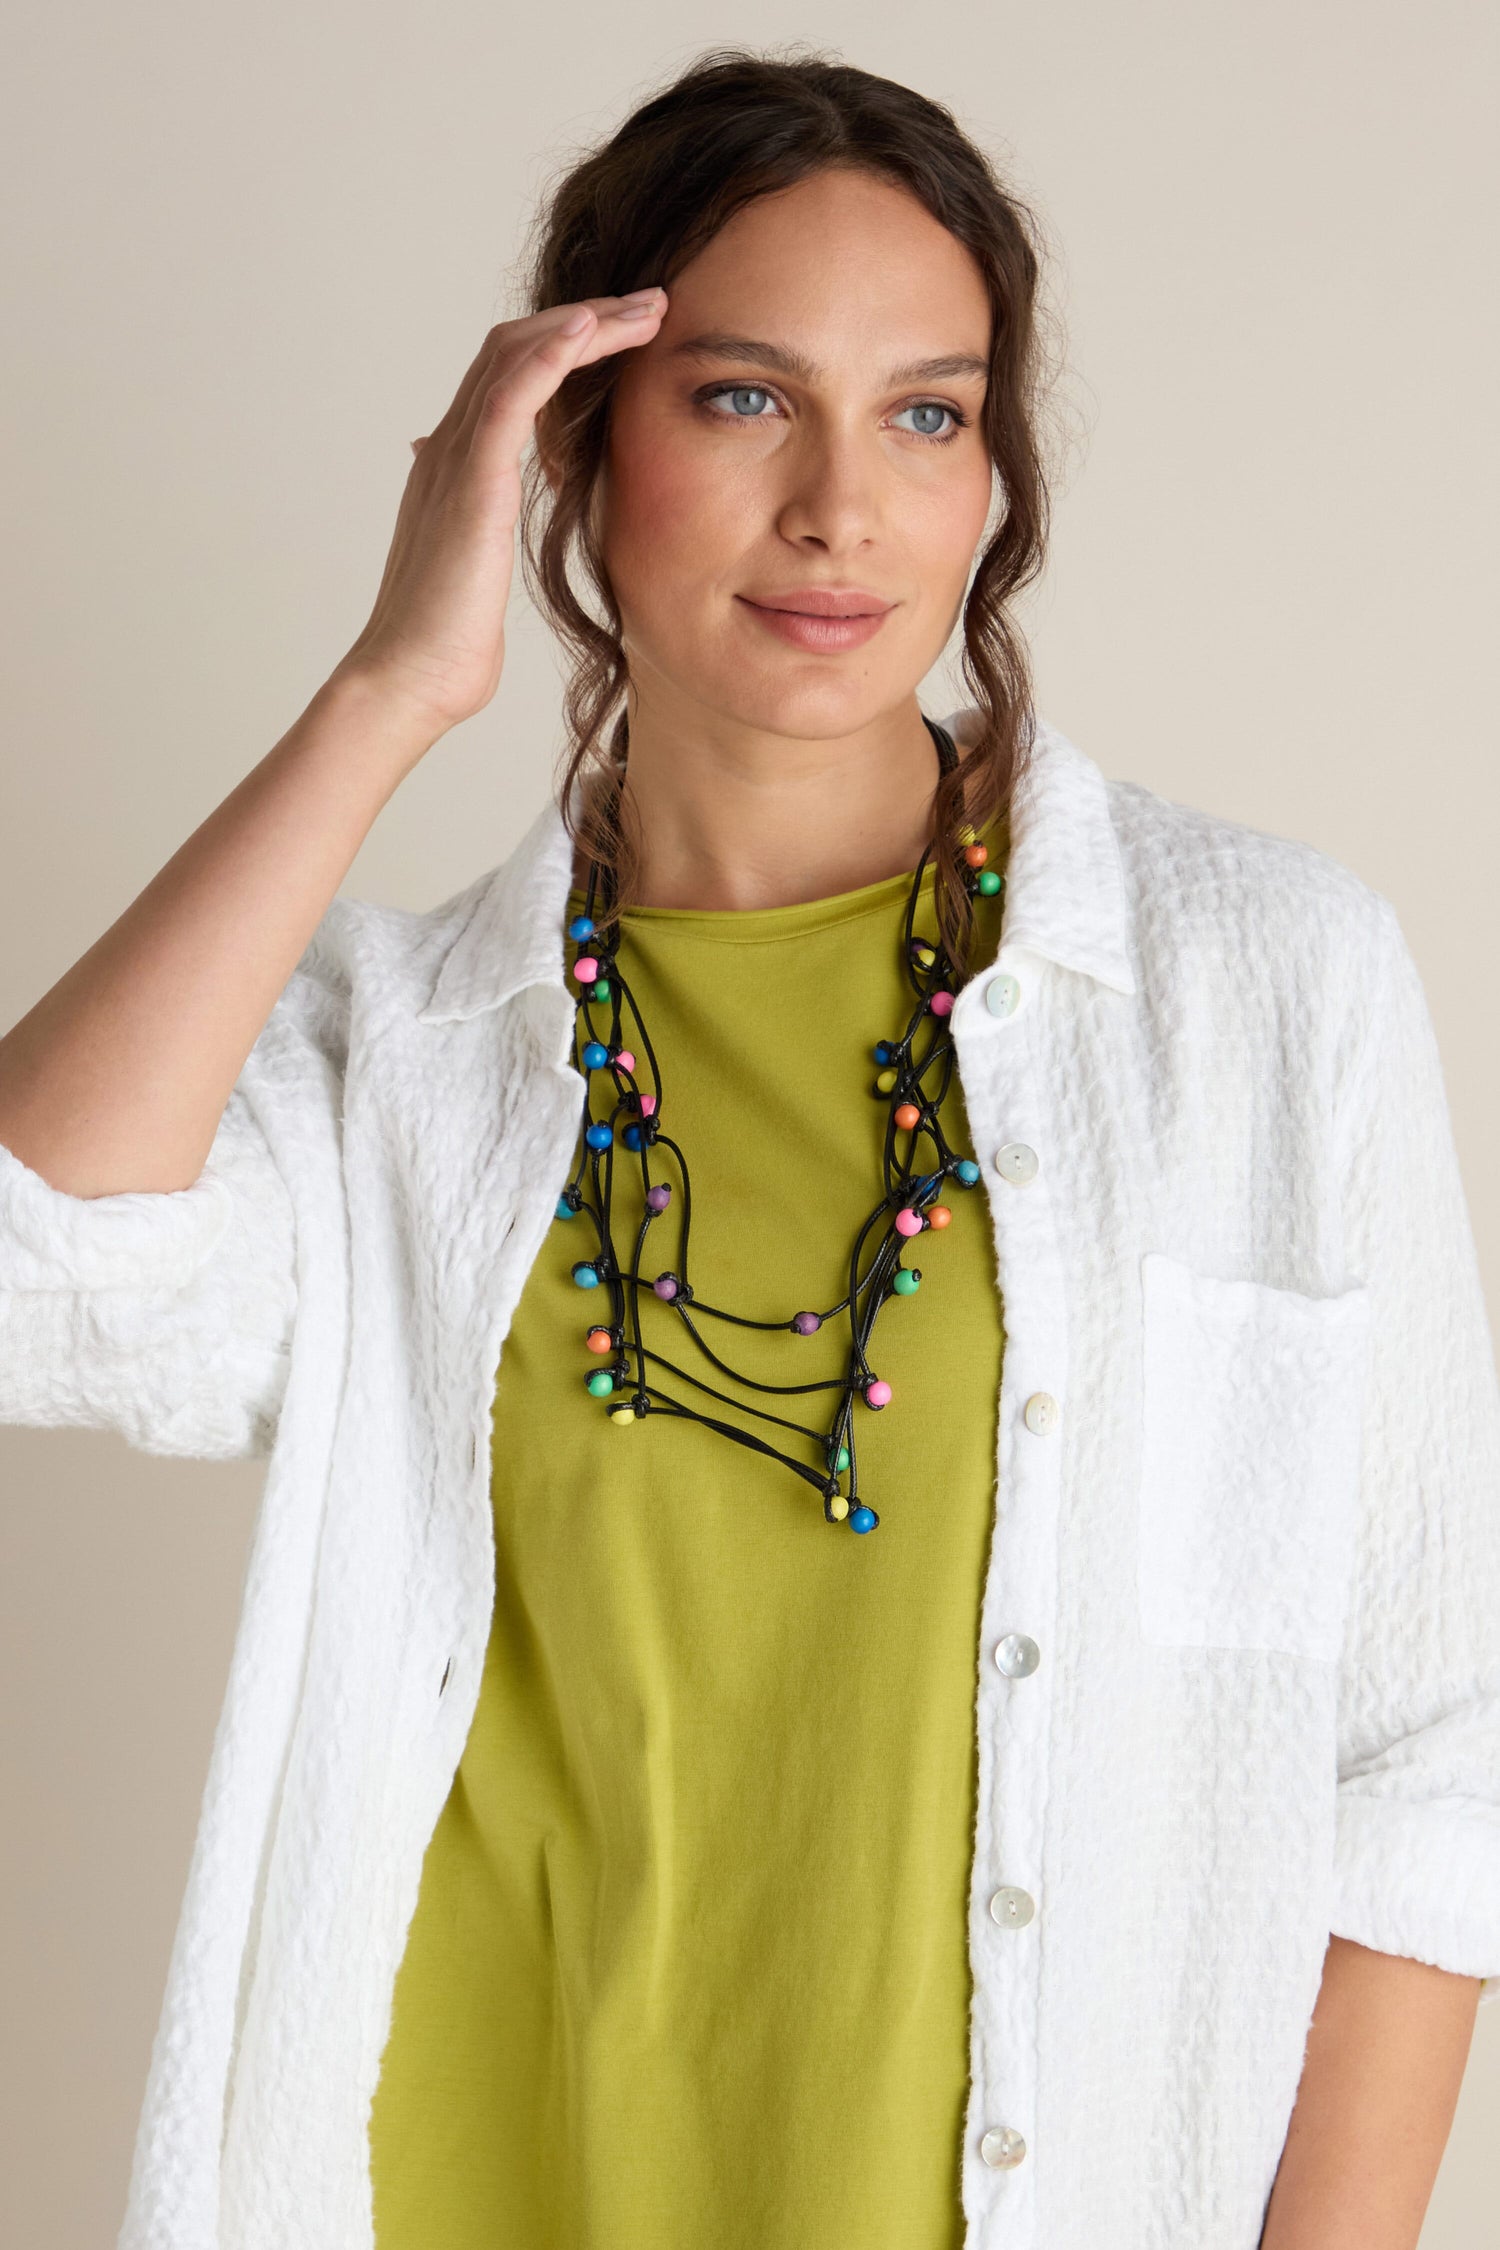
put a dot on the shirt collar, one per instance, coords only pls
(1064, 889)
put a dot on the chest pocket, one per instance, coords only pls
(1253, 1406)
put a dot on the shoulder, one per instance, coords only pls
(1257, 901)
(367, 954)
(364, 974)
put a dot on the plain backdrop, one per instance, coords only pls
(249, 255)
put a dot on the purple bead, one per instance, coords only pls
(658, 1198)
(806, 1323)
(665, 1286)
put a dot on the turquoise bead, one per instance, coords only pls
(565, 1209)
(966, 1170)
(863, 1518)
(586, 1276)
(908, 1281)
(601, 1384)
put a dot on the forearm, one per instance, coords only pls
(1385, 2058)
(116, 1079)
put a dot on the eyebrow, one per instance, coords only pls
(716, 344)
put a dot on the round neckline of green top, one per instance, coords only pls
(769, 925)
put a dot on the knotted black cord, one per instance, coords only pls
(909, 1188)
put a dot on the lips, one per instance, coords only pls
(822, 620)
(823, 601)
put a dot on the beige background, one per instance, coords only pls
(250, 255)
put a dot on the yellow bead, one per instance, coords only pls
(886, 1082)
(838, 1507)
(622, 1414)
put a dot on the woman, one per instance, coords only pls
(785, 1731)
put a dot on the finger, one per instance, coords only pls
(512, 340)
(501, 413)
(530, 379)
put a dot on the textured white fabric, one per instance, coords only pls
(1258, 1551)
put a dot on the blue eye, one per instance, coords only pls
(747, 400)
(937, 409)
(736, 393)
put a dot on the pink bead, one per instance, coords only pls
(648, 1104)
(585, 968)
(941, 1003)
(624, 1060)
(908, 1222)
(877, 1394)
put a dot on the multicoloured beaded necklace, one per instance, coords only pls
(633, 1120)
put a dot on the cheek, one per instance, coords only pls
(947, 522)
(671, 509)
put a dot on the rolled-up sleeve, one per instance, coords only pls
(1418, 1772)
(167, 1317)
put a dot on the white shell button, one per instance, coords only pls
(1002, 994)
(1016, 1163)
(1011, 1908)
(1002, 2147)
(1017, 1655)
(1040, 1412)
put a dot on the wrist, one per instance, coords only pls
(388, 726)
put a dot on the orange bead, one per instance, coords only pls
(600, 1340)
(976, 854)
(939, 1216)
(907, 1115)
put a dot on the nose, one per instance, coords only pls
(831, 498)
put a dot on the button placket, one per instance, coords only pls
(1005, 1032)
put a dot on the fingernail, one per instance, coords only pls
(631, 295)
(576, 320)
(631, 311)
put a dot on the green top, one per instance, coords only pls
(689, 1963)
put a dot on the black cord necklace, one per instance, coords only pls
(633, 1120)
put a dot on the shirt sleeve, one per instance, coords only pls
(167, 1317)
(1417, 1855)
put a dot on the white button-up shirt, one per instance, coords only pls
(1238, 1671)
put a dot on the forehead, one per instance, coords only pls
(840, 262)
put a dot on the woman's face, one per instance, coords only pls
(782, 431)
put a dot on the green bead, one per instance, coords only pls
(599, 990)
(989, 881)
(907, 1282)
(841, 1461)
(601, 1383)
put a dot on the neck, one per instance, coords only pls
(730, 816)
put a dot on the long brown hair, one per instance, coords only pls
(734, 126)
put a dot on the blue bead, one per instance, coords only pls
(599, 1136)
(631, 1136)
(966, 1170)
(585, 1275)
(565, 1209)
(580, 927)
(863, 1519)
(595, 1055)
(882, 1050)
